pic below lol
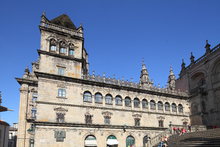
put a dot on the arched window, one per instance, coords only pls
(152, 105)
(144, 103)
(53, 46)
(145, 140)
(174, 107)
(87, 96)
(136, 103)
(63, 49)
(90, 141)
(98, 98)
(160, 105)
(128, 102)
(108, 99)
(167, 106)
(130, 141)
(180, 108)
(71, 49)
(112, 141)
(118, 100)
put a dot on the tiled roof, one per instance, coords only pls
(63, 20)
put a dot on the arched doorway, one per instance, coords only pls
(112, 141)
(145, 141)
(130, 141)
(90, 141)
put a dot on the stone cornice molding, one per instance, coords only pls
(107, 108)
(27, 81)
(42, 123)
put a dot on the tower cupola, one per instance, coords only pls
(144, 78)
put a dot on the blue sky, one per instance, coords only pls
(118, 35)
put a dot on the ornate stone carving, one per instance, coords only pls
(60, 109)
(137, 115)
(107, 114)
(160, 118)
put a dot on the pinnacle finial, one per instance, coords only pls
(183, 64)
(171, 71)
(44, 13)
(192, 58)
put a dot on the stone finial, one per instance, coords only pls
(144, 78)
(207, 47)
(183, 65)
(26, 73)
(192, 58)
(171, 80)
(43, 17)
(44, 14)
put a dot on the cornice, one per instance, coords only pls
(107, 108)
(40, 123)
(27, 81)
(60, 32)
(101, 84)
(60, 56)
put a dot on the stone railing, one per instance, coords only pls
(155, 140)
(62, 29)
(131, 84)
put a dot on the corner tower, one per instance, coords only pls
(62, 49)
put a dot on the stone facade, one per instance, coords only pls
(62, 105)
(202, 79)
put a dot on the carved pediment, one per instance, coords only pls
(88, 114)
(60, 109)
(107, 113)
(185, 120)
(137, 115)
(161, 118)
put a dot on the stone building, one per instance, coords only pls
(202, 79)
(62, 105)
(4, 126)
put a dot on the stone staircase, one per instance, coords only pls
(208, 138)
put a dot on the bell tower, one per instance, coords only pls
(62, 49)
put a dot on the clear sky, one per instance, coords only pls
(118, 35)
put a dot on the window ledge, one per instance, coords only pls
(61, 97)
(87, 102)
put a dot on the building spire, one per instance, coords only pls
(171, 80)
(192, 58)
(144, 78)
(207, 47)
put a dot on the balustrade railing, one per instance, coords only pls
(155, 140)
(131, 84)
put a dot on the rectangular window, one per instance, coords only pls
(53, 48)
(137, 122)
(33, 113)
(63, 50)
(71, 52)
(61, 92)
(60, 135)
(160, 123)
(107, 120)
(60, 117)
(88, 119)
(61, 71)
(34, 97)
